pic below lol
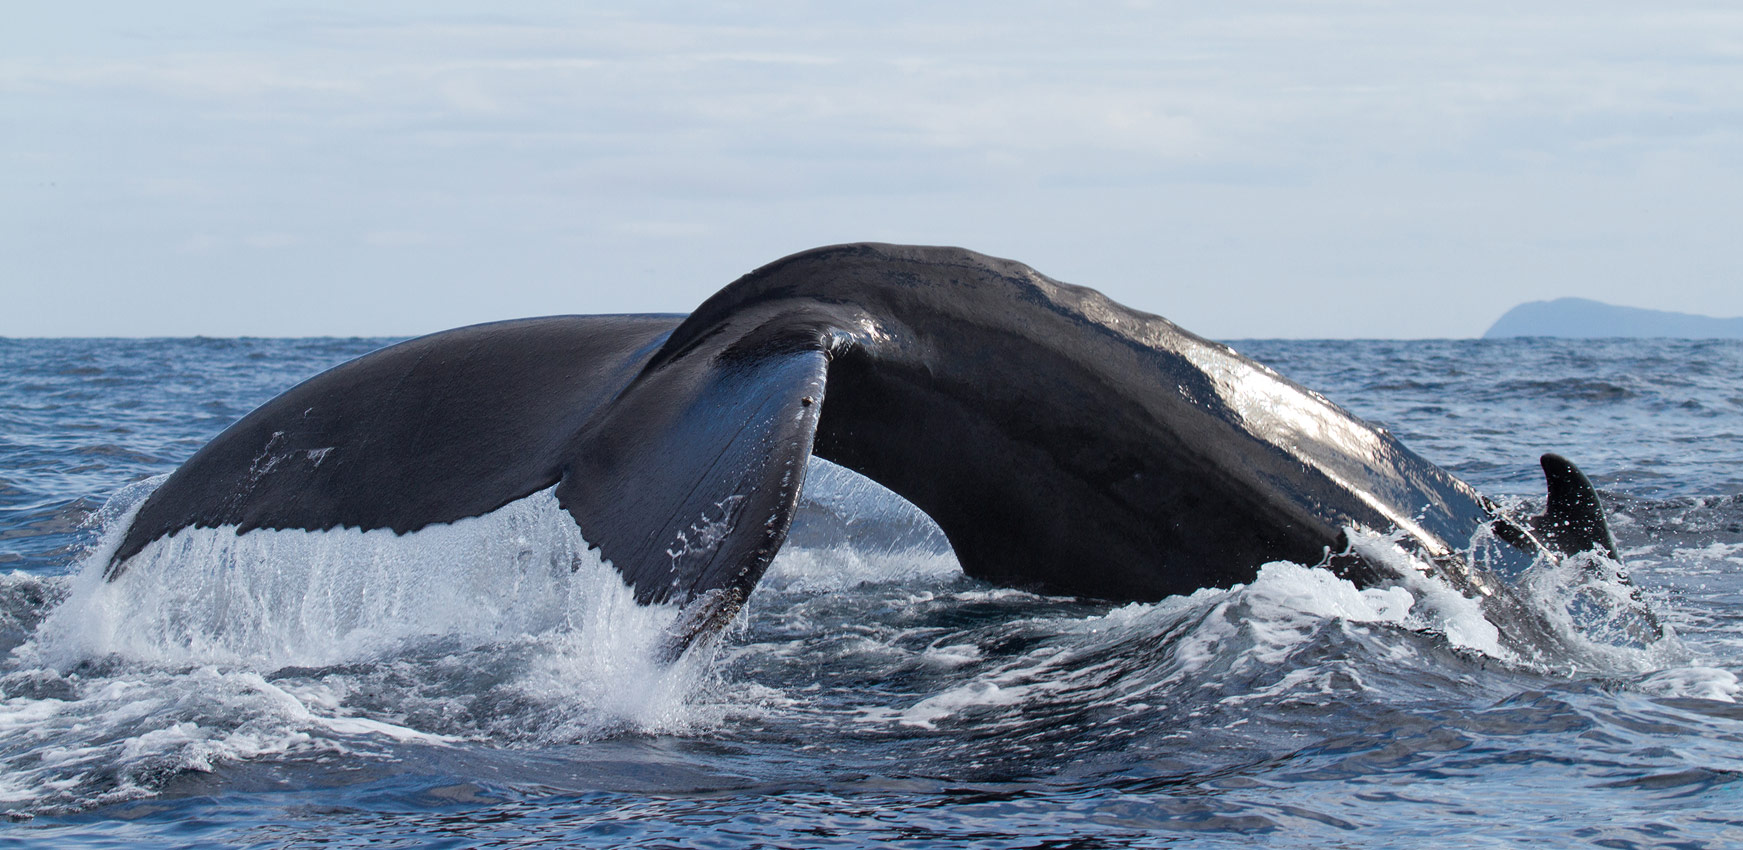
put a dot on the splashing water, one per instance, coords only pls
(216, 647)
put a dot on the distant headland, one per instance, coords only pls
(1583, 317)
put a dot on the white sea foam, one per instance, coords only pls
(1253, 634)
(1436, 605)
(927, 712)
(1212, 636)
(214, 646)
(1249, 637)
(269, 599)
(1694, 681)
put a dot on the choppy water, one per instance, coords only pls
(466, 688)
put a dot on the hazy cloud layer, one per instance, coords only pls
(1266, 169)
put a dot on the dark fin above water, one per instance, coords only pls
(1573, 521)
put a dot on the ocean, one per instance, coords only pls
(470, 689)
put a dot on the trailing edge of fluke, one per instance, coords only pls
(1062, 441)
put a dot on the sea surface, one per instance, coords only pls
(489, 683)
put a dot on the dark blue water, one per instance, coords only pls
(458, 690)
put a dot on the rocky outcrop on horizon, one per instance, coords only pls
(1585, 318)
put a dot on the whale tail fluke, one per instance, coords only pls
(1062, 442)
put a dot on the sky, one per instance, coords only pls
(1254, 169)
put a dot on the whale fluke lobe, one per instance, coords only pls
(687, 483)
(1061, 441)
(431, 430)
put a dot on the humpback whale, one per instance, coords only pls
(1062, 442)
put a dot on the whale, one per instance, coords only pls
(1062, 442)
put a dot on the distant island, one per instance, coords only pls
(1583, 317)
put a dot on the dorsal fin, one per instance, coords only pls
(1573, 521)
